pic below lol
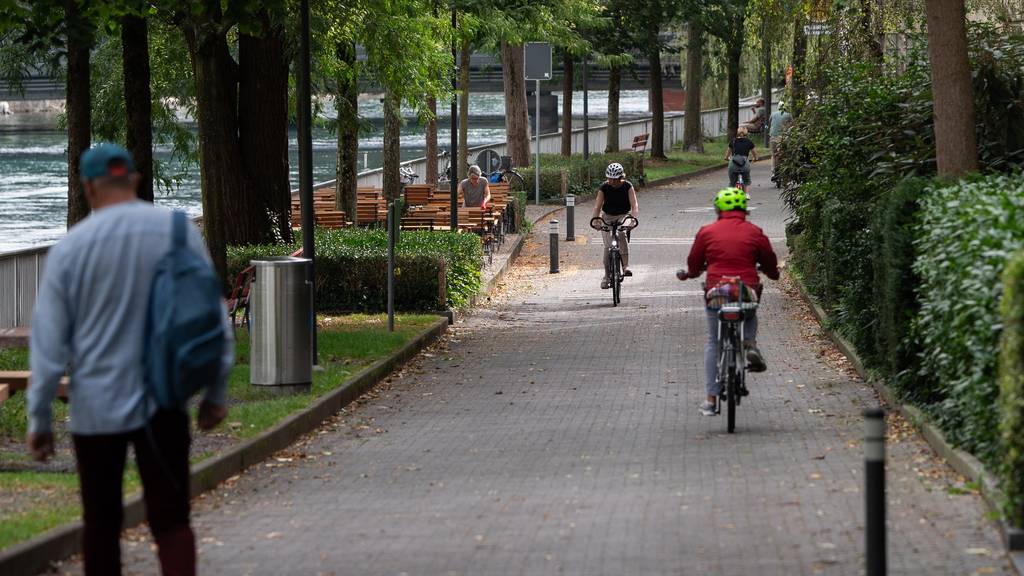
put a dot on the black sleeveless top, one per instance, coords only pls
(616, 199)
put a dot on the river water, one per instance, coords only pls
(33, 161)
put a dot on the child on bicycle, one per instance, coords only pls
(616, 199)
(730, 247)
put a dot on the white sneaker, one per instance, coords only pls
(709, 409)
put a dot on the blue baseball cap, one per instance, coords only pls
(105, 160)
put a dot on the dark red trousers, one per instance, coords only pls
(162, 457)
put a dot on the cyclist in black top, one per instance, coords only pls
(616, 199)
(741, 153)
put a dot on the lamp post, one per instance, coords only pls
(453, 182)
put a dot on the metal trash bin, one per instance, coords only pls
(280, 304)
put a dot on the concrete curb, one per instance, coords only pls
(36, 554)
(964, 463)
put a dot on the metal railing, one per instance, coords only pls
(20, 270)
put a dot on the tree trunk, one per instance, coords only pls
(955, 138)
(693, 126)
(517, 123)
(798, 89)
(567, 78)
(392, 145)
(263, 130)
(138, 100)
(766, 89)
(225, 210)
(733, 115)
(464, 109)
(431, 137)
(346, 102)
(78, 106)
(657, 105)
(614, 80)
(872, 38)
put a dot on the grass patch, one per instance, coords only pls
(13, 414)
(680, 162)
(34, 502)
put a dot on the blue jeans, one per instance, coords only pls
(714, 387)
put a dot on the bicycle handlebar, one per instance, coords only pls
(628, 223)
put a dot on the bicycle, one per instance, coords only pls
(728, 297)
(499, 169)
(614, 253)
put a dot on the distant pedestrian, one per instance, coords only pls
(90, 319)
(475, 191)
(777, 126)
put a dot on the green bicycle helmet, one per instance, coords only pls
(730, 199)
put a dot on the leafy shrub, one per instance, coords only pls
(352, 268)
(896, 303)
(1011, 388)
(584, 176)
(966, 233)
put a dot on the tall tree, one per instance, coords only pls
(392, 144)
(798, 88)
(346, 104)
(78, 107)
(614, 82)
(693, 129)
(431, 139)
(955, 137)
(517, 125)
(138, 99)
(263, 124)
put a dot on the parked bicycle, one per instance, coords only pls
(499, 169)
(734, 301)
(623, 227)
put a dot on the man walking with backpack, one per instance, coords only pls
(95, 317)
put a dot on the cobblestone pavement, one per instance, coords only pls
(553, 434)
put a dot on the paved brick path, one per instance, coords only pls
(552, 434)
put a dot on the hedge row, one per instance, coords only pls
(966, 234)
(1011, 388)
(352, 268)
(584, 176)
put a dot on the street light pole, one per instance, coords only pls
(305, 135)
(586, 115)
(453, 182)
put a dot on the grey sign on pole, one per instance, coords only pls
(537, 56)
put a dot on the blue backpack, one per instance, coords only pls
(185, 325)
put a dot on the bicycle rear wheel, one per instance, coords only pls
(616, 278)
(732, 396)
(515, 181)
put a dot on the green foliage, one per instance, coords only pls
(894, 281)
(584, 176)
(352, 268)
(1011, 389)
(966, 233)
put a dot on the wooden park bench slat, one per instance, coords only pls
(18, 380)
(5, 392)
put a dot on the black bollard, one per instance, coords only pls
(570, 217)
(874, 491)
(553, 236)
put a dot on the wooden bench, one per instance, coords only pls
(418, 194)
(639, 147)
(18, 381)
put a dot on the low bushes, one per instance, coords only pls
(352, 268)
(584, 176)
(1011, 388)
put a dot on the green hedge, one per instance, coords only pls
(966, 234)
(584, 176)
(895, 302)
(1011, 388)
(352, 268)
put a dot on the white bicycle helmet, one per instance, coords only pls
(615, 170)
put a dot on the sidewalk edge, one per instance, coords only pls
(60, 542)
(962, 462)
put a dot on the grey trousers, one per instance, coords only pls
(623, 245)
(714, 387)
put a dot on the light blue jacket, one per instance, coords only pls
(90, 320)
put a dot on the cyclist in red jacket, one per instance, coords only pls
(730, 246)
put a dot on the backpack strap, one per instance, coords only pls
(178, 225)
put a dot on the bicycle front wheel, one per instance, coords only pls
(616, 278)
(515, 181)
